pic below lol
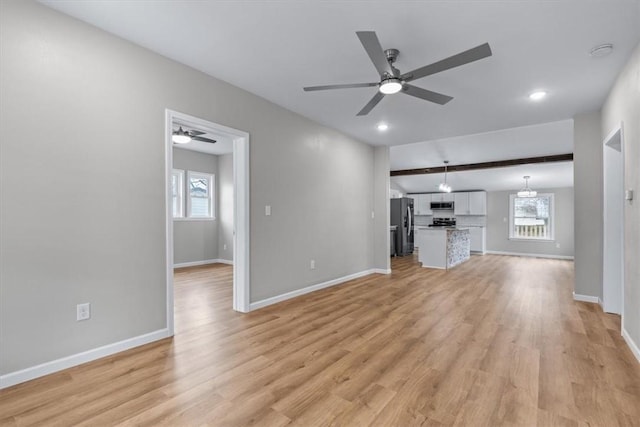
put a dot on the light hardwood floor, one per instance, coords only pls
(494, 341)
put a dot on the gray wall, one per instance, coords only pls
(623, 105)
(196, 240)
(94, 106)
(225, 210)
(587, 182)
(498, 228)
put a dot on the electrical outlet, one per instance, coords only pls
(558, 245)
(373, 215)
(267, 210)
(312, 264)
(83, 311)
(224, 247)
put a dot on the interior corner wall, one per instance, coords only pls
(95, 108)
(498, 225)
(195, 240)
(623, 106)
(381, 203)
(225, 203)
(588, 194)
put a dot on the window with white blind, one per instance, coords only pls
(200, 195)
(177, 191)
(531, 218)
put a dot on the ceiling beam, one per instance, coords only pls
(486, 165)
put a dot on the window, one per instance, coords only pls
(200, 195)
(531, 218)
(177, 191)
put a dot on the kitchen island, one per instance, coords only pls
(444, 247)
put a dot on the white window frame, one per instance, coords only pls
(552, 220)
(179, 173)
(211, 196)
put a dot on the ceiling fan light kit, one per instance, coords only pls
(526, 191)
(182, 136)
(390, 86)
(392, 81)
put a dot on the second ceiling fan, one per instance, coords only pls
(392, 81)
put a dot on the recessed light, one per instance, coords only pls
(383, 126)
(537, 96)
(601, 50)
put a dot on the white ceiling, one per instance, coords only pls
(274, 49)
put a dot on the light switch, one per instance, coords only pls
(267, 210)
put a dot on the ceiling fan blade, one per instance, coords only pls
(344, 86)
(462, 58)
(374, 101)
(203, 139)
(425, 94)
(196, 132)
(372, 45)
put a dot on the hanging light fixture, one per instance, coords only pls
(444, 187)
(526, 191)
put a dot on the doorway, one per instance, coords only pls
(240, 143)
(613, 202)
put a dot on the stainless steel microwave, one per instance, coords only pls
(441, 206)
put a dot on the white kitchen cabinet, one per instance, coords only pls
(461, 203)
(478, 239)
(478, 203)
(472, 203)
(442, 197)
(421, 204)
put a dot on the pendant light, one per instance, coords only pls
(444, 187)
(526, 191)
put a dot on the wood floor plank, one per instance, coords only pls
(496, 341)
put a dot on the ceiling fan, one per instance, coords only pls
(182, 136)
(392, 81)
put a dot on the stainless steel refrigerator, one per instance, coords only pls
(402, 216)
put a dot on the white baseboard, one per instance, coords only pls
(586, 298)
(381, 270)
(47, 368)
(283, 297)
(530, 255)
(632, 345)
(203, 262)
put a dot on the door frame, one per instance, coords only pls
(241, 212)
(610, 143)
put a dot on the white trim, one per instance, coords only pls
(283, 297)
(203, 262)
(168, 166)
(586, 298)
(47, 368)
(241, 185)
(381, 270)
(631, 343)
(551, 256)
(241, 221)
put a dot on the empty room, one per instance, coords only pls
(384, 213)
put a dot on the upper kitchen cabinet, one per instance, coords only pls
(442, 197)
(421, 204)
(473, 203)
(461, 203)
